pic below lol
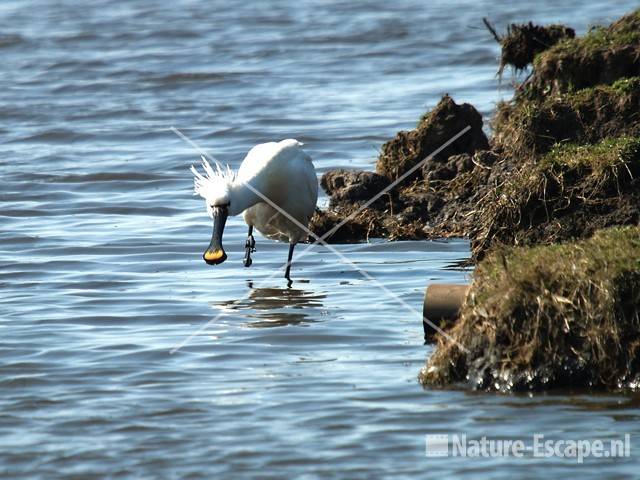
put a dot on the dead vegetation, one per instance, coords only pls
(523, 42)
(564, 315)
(545, 310)
(336, 228)
(601, 57)
(525, 127)
(569, 193)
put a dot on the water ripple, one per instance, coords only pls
(101, 275)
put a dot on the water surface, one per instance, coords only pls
(100, 243)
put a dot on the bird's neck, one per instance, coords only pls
(242, 196)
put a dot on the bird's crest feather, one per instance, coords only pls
(214, 181)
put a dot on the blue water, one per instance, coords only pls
(101, 276)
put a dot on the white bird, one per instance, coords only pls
(273, 178)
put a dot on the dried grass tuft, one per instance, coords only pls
(564, 315)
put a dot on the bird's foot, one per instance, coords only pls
(250, 244)
(249, 248)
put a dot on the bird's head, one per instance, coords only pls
(214, 186)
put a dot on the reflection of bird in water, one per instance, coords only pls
(278, 307)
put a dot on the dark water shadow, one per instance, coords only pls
(278, 307)
(464, 265)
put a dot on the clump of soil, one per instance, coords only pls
(523, 42)
(337, 228)
(524, 126)
(568, 193)
(602, 56)
(434, 129)
(561, 164)
(564, 315)
(422, 205)
(352, 185)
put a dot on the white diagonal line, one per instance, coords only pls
(360, 208)
(321, 240)
(192, 143)
(235, 302)
(397, 181)
(355, 267)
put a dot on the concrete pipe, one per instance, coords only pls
(441, 307)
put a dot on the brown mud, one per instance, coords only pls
(550, 202)
(420, 206)
(481, 188)
(545, 317)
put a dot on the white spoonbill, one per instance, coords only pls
(272, 174)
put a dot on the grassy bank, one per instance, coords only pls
(564, 315)
(556, 291)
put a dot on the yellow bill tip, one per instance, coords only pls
(215, 256)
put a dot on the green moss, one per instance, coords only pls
(567, 193)
(626, 86)
(549, 316)
(600, 37)
(605, 156)
(624, 32)
(532, 126)
(602, 56)
(621, 87)
(597, 38)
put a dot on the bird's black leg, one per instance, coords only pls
(249, 247)
(288, 270)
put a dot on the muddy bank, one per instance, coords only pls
(549, 316)
(428, 201)
(550, 202)
(568, 193)
(523, 185)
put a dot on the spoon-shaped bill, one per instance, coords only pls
(215, 253)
